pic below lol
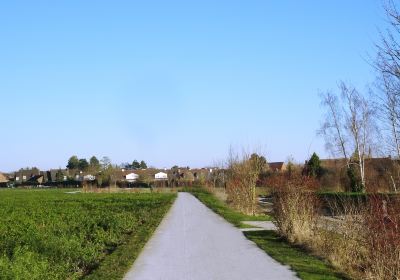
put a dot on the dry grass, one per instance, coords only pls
(364, 243)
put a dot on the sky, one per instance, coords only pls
(175, 82)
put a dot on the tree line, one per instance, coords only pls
(95, 164)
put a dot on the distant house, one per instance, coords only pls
(25, 175)
(3, 180)
(131, 177)
(161, 176)
(57, 175)
(202, 173)
(89, 177)
(36, 179)
(277, 166)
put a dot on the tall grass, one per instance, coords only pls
(364, 241)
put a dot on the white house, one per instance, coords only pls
(161, 176)
(131, 177)
(88, 177)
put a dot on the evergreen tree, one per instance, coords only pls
(135, 164)
(143, 165)
(313, 167)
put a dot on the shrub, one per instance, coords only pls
(243, 175)
(296, 207)
(381, 223)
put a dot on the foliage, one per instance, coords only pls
(313, 167)
(73, 163)
(259, 163)
(143, 165)
(83, 164)
(355, 182)
(94, 163)
(135, 164)
(59, 176)
(53, 235)
(105, 177)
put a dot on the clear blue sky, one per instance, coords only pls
(174, 82)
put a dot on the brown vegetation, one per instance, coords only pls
(243, 175)
(363, 240)
(295, 209)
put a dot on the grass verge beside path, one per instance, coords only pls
(305, 265)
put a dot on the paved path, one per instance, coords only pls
(194, 243)
(259, 225)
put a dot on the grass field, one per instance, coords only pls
(48, 234)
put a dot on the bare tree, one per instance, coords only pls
(387, 103)
(349, 126)
(388, 60)
(388, 66)
(333, 126)
(359, 122)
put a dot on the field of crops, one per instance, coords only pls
(48, 234)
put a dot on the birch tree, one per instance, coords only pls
(333, 126)
(348, 127)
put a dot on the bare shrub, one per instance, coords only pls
(382, 240)
(243, 174)
(365, 239)
(296, 207)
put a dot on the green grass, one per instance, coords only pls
(306, 266)
(47, 234)
(222, 209)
